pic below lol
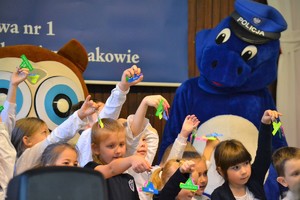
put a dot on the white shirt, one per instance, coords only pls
(64, 132)
(7, 159)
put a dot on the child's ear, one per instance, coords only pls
(95, 149)
(26, 141)
(281, 180)
(220, 172)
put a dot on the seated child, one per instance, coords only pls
(7, 123)
(286, 161)
(109, 144)
(31, 135)
(233, 161)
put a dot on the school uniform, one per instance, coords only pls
(121, 186)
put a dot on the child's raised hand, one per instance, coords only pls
(88, 107)
(187, 167)
(270, 116)
(190, 123)
(154, 101)
(19, 76)
(130, 72)
(139, 164)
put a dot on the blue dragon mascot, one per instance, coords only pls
(237, 61)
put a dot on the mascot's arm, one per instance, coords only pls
(179, 110)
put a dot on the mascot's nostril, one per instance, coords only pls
(214, 64)
(240, 70)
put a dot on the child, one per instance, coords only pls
(59, 154)
(65, 154)
(175, 172)
(233, 162)
(286, 161)
(31, 135)
(108, 145)
(111, 109)
(161, 176)
(7, 123)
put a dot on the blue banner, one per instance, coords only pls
(116, 34)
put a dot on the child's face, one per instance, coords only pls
(113, 147)
(68, 157)
(38, 136)
(200, 175)
(292, 174)
(142, 148)
(239, 174)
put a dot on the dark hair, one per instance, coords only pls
(282, 155)
(24, 127)
(52, 152)
(229, 153)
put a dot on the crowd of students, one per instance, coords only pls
(123, 150)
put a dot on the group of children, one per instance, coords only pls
(123, 150)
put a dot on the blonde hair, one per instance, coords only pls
(161, 175)
(98, 134)
(189, 152)
(282, 155)
(25, 127)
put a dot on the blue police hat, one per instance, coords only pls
(256, 23)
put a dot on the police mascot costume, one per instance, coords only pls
(237, 61)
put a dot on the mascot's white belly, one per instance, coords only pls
(232, 127)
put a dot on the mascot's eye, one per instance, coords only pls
(223, 36)
(54, 98)
(23, 99)
(249, 52)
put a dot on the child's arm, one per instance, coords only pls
(190, 123)
(118, 166)
(7, 158)
(75, 122)
(9, 112)
(263, 156)
(171, 188)
(137, 124)
(65, 131)
(114, 103)
(208, 150)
